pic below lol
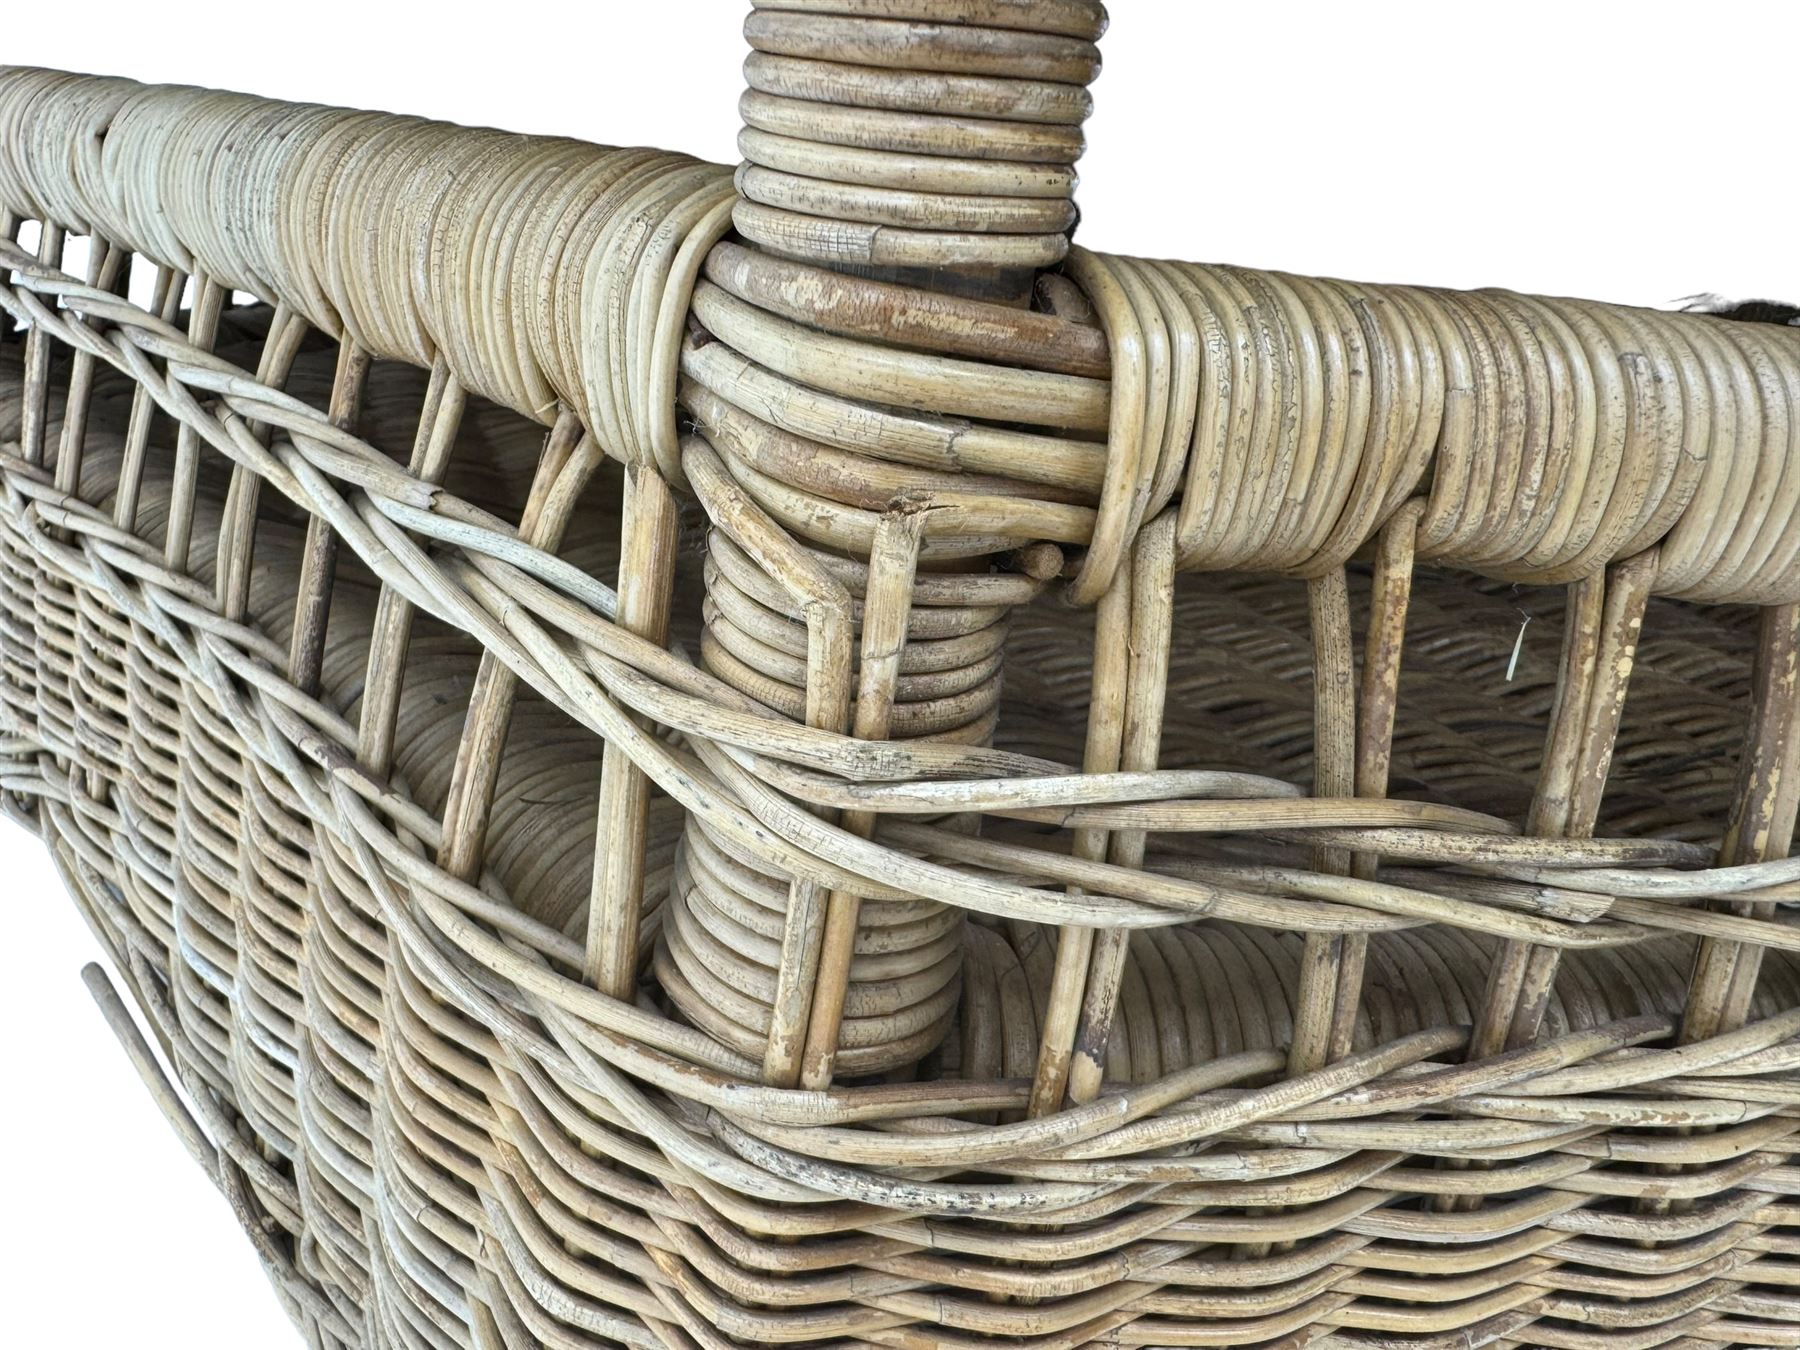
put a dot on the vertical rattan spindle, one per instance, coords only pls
(568, 461)
(237, 532)
(1147, 680)
(34, 412)
(649, 532)
(1604, 621)
(439, 420)
(893, 562)
(318, 556)
(825, 602)
(165, 303)
(105, 265)
(203, 329)
(1330, 963)
(1761, 826)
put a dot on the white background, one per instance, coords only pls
(1636, 152)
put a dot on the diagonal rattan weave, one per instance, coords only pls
(686, 760)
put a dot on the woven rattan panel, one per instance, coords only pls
(679, 763)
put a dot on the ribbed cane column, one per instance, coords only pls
(908, 173)
(931, 142)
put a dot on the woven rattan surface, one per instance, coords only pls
(678, 761)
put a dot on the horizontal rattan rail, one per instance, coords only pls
(641, 740)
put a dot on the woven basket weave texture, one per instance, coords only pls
(680, 758)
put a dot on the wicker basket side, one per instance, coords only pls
(609, 876)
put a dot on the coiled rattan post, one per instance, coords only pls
(654, 774)
(920, 143)
(885, 152)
